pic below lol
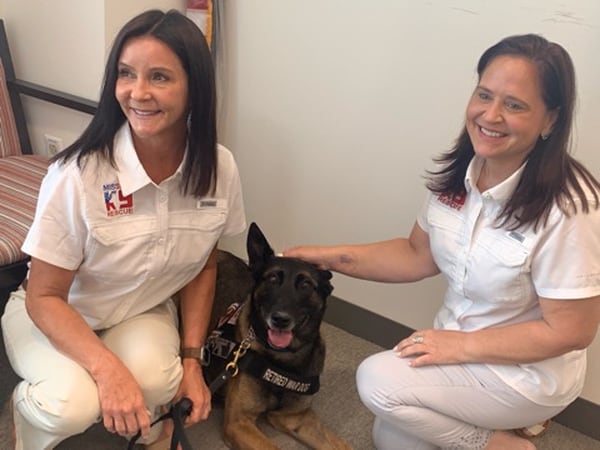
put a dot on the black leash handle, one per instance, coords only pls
(183, 408)
(178, 412)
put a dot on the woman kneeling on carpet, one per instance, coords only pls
(511, 220)
(128, 216)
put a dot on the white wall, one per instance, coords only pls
(334, 111)
(63, 45)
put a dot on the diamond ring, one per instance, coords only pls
(417, 339)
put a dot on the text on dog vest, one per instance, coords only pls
(280, 380)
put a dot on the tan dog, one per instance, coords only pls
(285, 304)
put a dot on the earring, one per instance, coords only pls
(544, 136)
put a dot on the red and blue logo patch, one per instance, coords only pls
(115, 202)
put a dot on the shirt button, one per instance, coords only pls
(163, 198)
(161, 241)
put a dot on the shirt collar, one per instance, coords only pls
(132, 175)
(502, 191)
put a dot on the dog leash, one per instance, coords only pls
(232, 369)
(178, 412)
(183, 408)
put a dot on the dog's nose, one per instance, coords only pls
(281, 320)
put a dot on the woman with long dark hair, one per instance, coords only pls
(512, 221)
(128, 216)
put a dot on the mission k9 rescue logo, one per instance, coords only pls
(454, 201)
(115, 202)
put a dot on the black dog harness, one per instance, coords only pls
(221, 344)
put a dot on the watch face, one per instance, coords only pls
(204, 356)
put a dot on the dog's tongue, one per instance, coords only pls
(280, 339)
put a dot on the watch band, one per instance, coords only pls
(198, 353)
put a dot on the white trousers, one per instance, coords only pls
(58, 398)
(445, 406)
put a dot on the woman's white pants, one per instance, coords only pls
(445, 406)
(58, 398)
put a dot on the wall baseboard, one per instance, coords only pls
(581, 415)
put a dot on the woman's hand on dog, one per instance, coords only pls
(194, 387)
(313, 254)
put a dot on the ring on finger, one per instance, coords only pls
(417, 339)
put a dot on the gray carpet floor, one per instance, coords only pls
(337, 403)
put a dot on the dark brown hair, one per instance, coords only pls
(186, 40)
(551, 176)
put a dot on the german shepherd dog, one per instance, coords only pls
(284, 301)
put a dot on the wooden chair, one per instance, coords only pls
(21, 171)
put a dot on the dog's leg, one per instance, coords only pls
(243, 434)
(306, 426)
(243, 404)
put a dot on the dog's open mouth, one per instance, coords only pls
(279, 338)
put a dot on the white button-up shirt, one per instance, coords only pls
(495, 276)
(132, 242)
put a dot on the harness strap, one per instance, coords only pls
(258, 366)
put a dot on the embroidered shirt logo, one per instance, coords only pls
(454, 201)
(115, 202)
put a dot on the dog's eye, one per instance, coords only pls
(305, 284)
(272, 278)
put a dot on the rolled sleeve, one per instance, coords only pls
(566, 263)
(55, 234)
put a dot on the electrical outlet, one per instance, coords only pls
(53, 145)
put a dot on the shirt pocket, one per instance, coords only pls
(499, 269)
(121, 250)
(445, 238)
(193, 234)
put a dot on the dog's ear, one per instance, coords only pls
(325, 286)
(259, 250)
